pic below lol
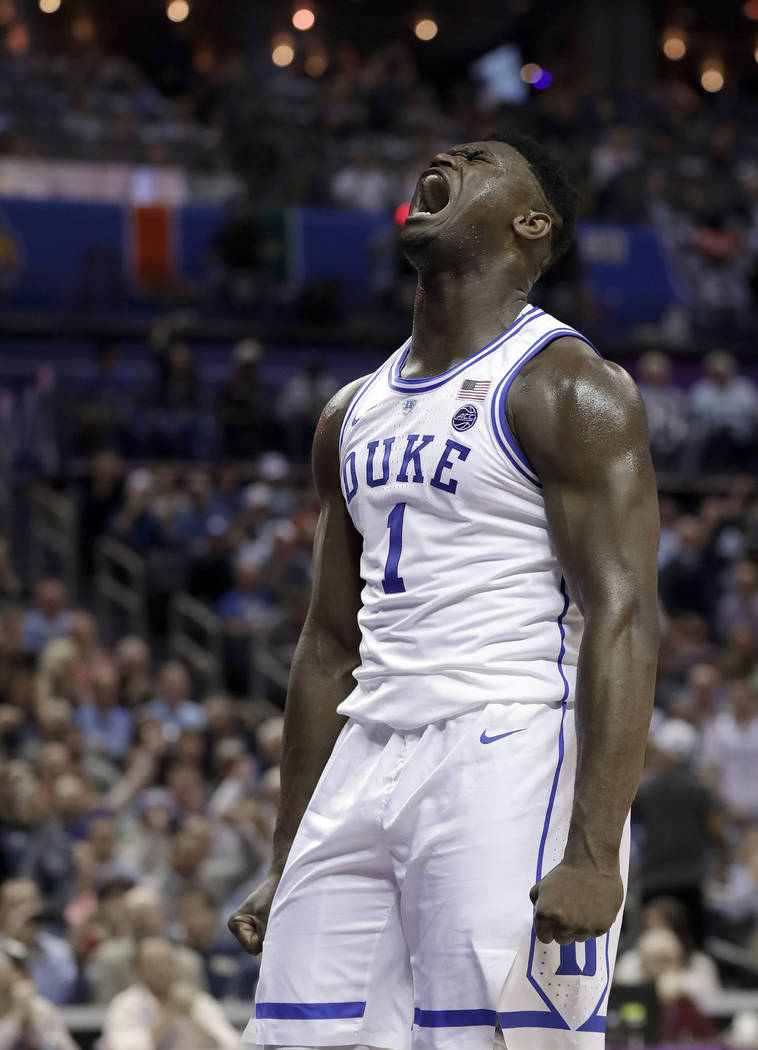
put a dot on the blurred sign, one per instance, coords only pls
(68, 256)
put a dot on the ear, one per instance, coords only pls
(532, 225)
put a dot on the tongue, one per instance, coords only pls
(435, 193)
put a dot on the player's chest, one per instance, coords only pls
(428, 445)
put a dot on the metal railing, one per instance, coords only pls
(120, 583)
(196, 635)
(53, 537)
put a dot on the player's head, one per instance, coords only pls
(486, 200)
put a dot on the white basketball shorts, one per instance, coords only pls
(403, 916)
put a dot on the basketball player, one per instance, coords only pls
(470, 698)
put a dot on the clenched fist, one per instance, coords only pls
(575, 902)
(248, 923)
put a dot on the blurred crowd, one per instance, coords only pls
(358, 133)
(136, 815)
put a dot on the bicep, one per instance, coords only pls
(588, 442)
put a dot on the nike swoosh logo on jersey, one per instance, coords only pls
(484, 739)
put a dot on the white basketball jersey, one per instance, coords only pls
(464, 602)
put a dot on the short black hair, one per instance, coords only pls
(559, 193)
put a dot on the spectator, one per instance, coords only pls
(734, 896)
(100, 497)
(725, 415)
(679, 986)
(113, 966)
(666, 407)
(300, 405)
(49, 858)
(667, 913)
(26, 1018)
(50, 618)
(244, 610)
(702, 696)
(730, 752)
(739, 603)
(211, 560)
(107, 727)
(49, 959)
(133, 662)
(681, 581)
(363, 185)
(160, 1008)
(106, 920)
(172, 705)
(104, 405)
(245, 405)
(136, 523)
(675, 815)
(247, 607)
(146, 846)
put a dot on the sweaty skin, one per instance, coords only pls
(580, 422)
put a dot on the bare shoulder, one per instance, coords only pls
(567, 404)
(327, 436)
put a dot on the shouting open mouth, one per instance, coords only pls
(431, 197)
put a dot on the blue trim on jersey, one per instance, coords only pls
(356, 398)
(502, 431)
(454, 1018)
(531, 1019)
(554, 1013)
(425, 383)
(308, 1011)
(596, 1023)
(508, 1019)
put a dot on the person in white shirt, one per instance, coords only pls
(26, 1019)
(161, 1013)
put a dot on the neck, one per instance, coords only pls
(454, 315)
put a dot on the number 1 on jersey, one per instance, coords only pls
(392, 583)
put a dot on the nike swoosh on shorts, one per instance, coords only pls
(484, 739)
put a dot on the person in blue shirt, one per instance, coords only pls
(107, 727)
(172, 705)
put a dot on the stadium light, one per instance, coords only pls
(303, 18)
(712, 77)
(282, 52)
(674, 44)
(426, 29)
(177, 10)
(531, 73)
(49, 7)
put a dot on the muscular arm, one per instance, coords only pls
(581, 422)
(322, 667)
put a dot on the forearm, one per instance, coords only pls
(614, 701)
(321, 678)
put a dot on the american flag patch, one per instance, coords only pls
(474, 389)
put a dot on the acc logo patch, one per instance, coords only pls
(465, 418)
